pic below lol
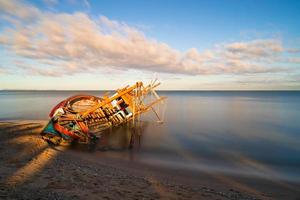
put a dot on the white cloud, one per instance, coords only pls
(294, 60)
(293, 50)
(3, 71)
(19, 9)
(254, 49)
(76, 43)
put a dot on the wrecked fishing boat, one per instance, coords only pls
(82, 118)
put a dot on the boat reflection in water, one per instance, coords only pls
(122, 137)
(126, 136)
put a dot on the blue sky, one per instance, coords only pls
(205, 45)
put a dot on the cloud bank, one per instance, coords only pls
(64, 43)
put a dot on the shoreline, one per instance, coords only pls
(30, 168)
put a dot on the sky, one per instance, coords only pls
(187, 45)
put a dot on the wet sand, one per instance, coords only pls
(31, 169)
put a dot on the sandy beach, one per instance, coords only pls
(31, 169)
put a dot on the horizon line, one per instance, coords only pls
(170, 90)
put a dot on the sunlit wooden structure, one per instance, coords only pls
(82, 117)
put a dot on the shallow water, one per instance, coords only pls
(252, 133)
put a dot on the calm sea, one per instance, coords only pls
(251, 133)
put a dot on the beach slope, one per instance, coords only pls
(31, 169)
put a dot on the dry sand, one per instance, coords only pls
(31, 169)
